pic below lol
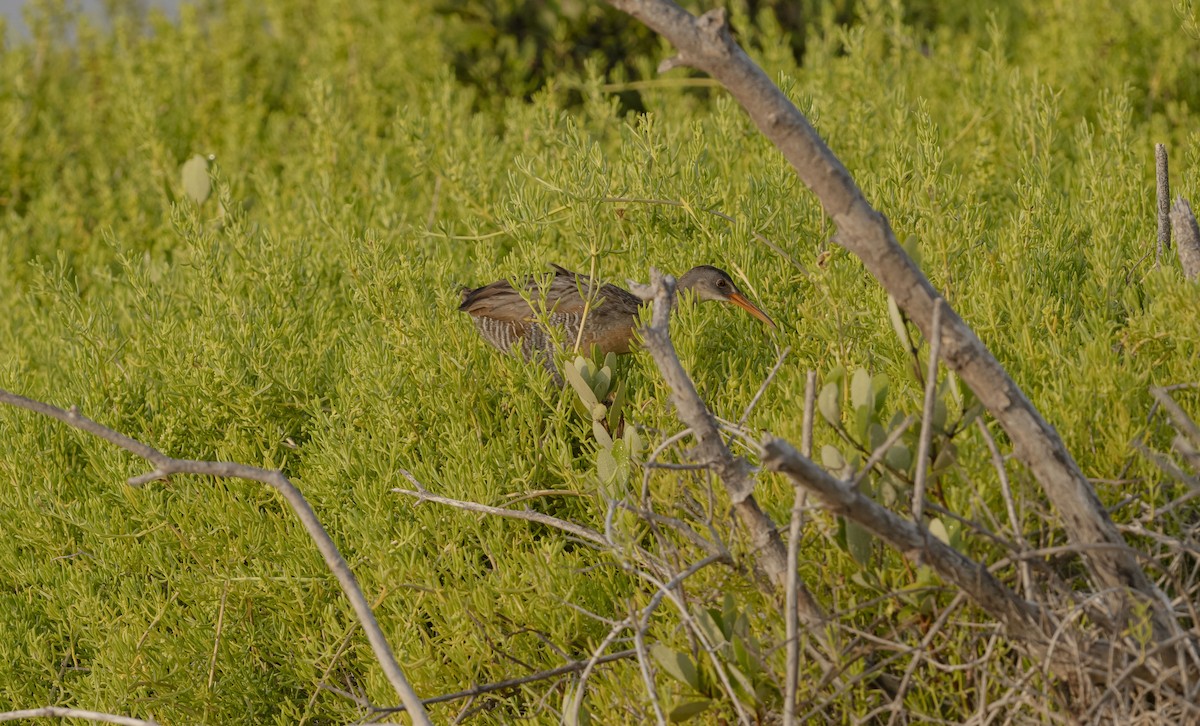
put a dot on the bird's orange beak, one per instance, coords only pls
(740, 300)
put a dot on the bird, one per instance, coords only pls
(506, 319)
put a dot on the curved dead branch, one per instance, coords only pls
(705, 43)
(165, 466)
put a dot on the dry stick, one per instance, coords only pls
(1187, 238)
(57, 712)
(919, 653)
(791, 620)
(572, 667)
(763, 388)
(705, 43)
(212, 661)
(1024, 621)
(1009, 505)
(879, 452)
(710, 448)
(935, 349)
(584, 533)
(576, 704)
(1164, 201)
(165, 466)
(643, 658)
(1183, 423)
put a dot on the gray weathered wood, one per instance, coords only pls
(704, 43)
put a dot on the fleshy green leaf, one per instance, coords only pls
(581, 387)
(688, 710)
(860, 388)
(898, 457)
(633, 443)
(616, 409)
(879, 391)
(602, 436)
(832, 459)
(601, 382)
(859, 543)
(196, 183)
(829, 403)
(677, 665)
(899, 324)
(606, 465)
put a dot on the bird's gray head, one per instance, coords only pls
(710, 283)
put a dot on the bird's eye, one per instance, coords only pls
(720, 283)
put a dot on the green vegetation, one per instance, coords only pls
(302, 316)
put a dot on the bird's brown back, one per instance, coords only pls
(504, 317)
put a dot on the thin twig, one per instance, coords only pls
(763, 388)
(580, 689)
(581, 532)
(1182, 422)
(791, 616)
(58, 712)
(881, 451)
(212, 661)
(1009, 505)
(935, 349)
(474, 691)
(918, 655)
(643, 657)
(165, 466)
(734, 472)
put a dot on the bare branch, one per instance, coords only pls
(791, 621)
(58, 712)
(935, 349)
(1009, 505)
(475, 691)
(705, 43)
(165, 466)
(1187, 238)
(579, 531)
(1163, 188)
(1182, 422)
(711, 449)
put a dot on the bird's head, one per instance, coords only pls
(710, 283)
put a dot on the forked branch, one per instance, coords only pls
(711, 449)
(165, 466)
(705, 43)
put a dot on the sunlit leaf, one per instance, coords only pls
(832, 459)
(860, 388)
(937, 529)
(580, 386)
(196, 183)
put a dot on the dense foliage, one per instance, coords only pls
(302, 316)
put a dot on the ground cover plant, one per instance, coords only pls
(299, 314)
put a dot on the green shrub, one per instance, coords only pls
(303, 316)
